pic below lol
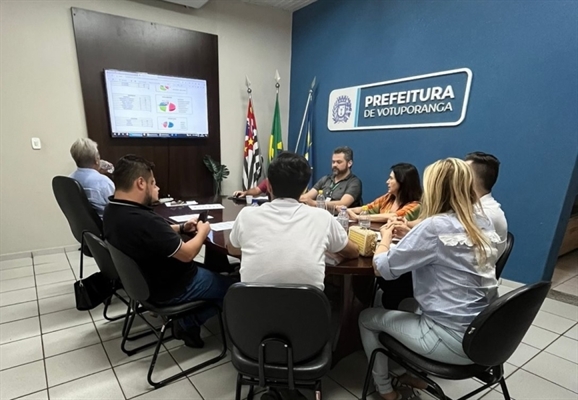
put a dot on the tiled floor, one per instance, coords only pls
(565, 278)
(48, 349)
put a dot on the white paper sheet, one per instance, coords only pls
(199, 207)
(222, 226)
(187, 203)
(185, 218)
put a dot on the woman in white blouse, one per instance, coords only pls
(452, 254)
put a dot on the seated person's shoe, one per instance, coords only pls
(191, 337)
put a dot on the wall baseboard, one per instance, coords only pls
(39, 252)
(15, 256)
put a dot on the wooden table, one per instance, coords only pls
(349, 285)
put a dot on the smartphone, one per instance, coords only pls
(203, 216)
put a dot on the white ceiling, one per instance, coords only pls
(289, 5)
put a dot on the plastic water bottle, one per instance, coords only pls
(321, 200)
(363, 218)
(343, 218)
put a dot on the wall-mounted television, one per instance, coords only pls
(143, 105)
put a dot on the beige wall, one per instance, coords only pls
(41, 96)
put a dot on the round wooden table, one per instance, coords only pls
(349, 284)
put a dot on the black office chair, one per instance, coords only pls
(489, 341)
(280, 335)
(104, 262)
(501, 263)
(137, 289)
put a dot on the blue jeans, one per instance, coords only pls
(206, 285)
(417, 332)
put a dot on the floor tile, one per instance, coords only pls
(179, 390)
(63, 319)
(495, 395)
(350, 372)
(187, 357)
(52, 267)
(18, 296)
(57, 303)
(523, 385)
(18, 311)
(555, 369)
(16, 273)
(552, 322)
(21, 352)
(561, 275)
(570, 286)
(17, 330)
(87, 270)
(572, 333)
(218, 382)
(22, 380)
(108, 330)
(133, 376)
(330, 391)
(523, 354)
(16, 284)
(503, 289)
(50, 258)
(565, 348)
(102, 386)
(54, 277)
(559, 308)
(538, 337)
(16, 263)
(74, 338)
(76, 364)
(41, 395)
(55, 289)
(118, 357)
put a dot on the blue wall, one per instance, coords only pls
(523, 104)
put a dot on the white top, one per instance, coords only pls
(284, 241)
(494, 212)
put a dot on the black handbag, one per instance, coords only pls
(92, 291)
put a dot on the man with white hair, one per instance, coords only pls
(98, 187)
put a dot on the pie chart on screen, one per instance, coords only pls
(167, 106)
(168, 124)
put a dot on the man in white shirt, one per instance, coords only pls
(98, 187)
(486, 168)
(285, 241)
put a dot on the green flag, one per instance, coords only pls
(276, 140)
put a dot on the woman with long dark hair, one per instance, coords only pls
(401, 200)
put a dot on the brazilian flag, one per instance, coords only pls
(276, 140)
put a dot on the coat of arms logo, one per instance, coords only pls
(341, 109)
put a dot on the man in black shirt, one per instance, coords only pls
(156, 246)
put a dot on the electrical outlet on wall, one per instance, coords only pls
(36, 144)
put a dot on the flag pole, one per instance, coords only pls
(309, 98)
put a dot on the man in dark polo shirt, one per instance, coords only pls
(156, 246)
(342, 187)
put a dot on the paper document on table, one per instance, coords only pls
(181, 204)
(222, 226)
(199, 207)
(185, 218)
(261, 198)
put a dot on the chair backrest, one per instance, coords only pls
(501, 263)
(101, 255)
(131, 276)
(80, 214)
(298, 314)
(496, 332)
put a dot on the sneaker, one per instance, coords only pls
(191, 337)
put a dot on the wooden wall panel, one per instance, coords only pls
(106, 41)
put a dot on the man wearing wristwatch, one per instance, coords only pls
(165, 259)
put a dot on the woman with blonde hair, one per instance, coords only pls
(452, 254)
